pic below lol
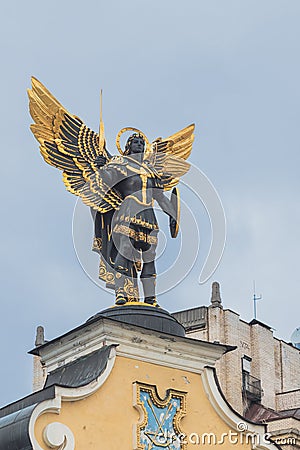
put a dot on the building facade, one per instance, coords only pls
(134, 382)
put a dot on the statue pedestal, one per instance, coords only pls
(149, 317)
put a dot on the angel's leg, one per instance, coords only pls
(126, 283)
(148, 275)
(121, 298)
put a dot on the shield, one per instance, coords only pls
(174, 221)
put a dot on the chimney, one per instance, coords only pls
(216, 301)
(39, 373)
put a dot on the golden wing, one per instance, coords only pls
(170, 154)
(69, 145)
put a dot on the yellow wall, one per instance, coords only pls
(105, 420)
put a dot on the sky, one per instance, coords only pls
(231, 67)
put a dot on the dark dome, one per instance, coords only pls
(149, 317)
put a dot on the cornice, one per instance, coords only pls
(132, 342)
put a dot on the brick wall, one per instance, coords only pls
(275, 363)
(262, 349)
(288, 400)
(291, 367)
(39, 374)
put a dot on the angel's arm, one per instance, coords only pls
(100, 161)
(110, 174)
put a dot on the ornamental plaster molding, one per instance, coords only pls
(135, 343)
(57, 435)
(230, 417)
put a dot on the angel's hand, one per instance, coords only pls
(172, 222)
(100, 161)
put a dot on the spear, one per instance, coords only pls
(101, 128)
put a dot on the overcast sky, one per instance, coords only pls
(231, 67)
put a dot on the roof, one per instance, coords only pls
(15, 418)
(257, 322)
(193, 318)
(259, 413)
(82, 371)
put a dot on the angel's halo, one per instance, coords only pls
(136, 130)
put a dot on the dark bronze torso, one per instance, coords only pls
(139, 182)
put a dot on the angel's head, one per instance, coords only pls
(135, 144)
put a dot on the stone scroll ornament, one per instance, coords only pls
(120, 190)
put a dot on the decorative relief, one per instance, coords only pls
(58, 436)
(159, 424)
